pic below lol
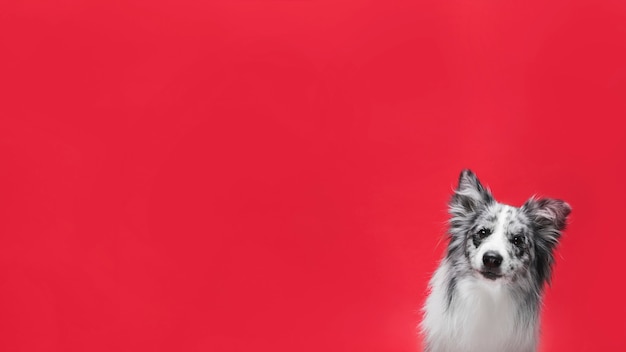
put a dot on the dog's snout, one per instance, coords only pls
(492, 260)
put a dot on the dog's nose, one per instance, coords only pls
(492, 260)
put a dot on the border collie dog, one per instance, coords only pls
(486, 294)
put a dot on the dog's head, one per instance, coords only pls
(502, 242)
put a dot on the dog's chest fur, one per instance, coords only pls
(476, 316)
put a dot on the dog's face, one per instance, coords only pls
(502, 242)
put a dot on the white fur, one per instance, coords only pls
(496, 242)
(478, 320)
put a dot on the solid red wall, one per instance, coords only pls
(273, 175)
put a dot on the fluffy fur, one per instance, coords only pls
(486, 294)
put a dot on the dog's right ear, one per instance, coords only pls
(469, 195)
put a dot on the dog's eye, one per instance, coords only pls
(518, 240)
(482, 233)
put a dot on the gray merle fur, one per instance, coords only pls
(531, 234)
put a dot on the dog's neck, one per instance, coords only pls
(482, 315)
(491, 311)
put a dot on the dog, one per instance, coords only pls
(486, 293)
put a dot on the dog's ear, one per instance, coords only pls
(547, 212)
(548, 218)
(469, 195)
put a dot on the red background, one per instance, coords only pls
(273, 175)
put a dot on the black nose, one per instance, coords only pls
(492, 260)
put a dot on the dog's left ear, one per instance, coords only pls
(548, 212)
(549, 216)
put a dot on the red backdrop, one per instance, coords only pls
(273, 175)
